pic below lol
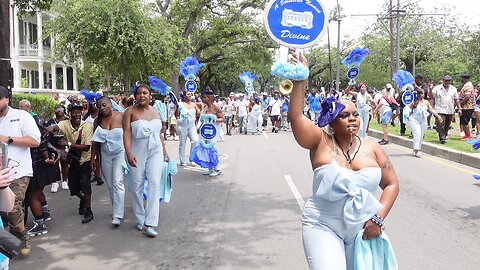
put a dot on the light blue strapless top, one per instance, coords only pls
(111, 140)
(147, 129)
(420, 113)
(341, 193)
(187, 114)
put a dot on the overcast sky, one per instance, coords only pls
(468, 11)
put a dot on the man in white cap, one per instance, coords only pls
(389, 90)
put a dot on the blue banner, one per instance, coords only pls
(295, 23)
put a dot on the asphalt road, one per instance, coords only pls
(248, 218)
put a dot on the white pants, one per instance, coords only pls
(418, 130)
(257, 122)
(112, 173)
(149, 165)
(184, 132)
(364, 116)
(325, 250)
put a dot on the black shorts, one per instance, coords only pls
(79, 179)
(275, 118)
(466, 117)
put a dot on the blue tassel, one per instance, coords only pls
(89, 96)
(190, 67)
(290, 71)
(158, 85)
(356, 57)
(247, 78)
(403, 78)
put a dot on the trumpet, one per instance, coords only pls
(285, 87)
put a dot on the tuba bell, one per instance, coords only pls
(285, 87)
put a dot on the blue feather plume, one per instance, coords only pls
(190, 67)
(89, 96)
(247, 77)
(158, 85)
(403, 77)
(356, 57)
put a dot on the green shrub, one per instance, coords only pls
(41, 105)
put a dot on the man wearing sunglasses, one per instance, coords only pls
(19, 130)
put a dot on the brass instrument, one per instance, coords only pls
(285, 87)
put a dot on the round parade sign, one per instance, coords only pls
(249, 88)
(191, 86)
(353, 73)
(208, 131)
(407, 98)
(294, 23)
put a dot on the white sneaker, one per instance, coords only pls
(54, 188)
(149, 231)
(116, 221)
(64, 185)
(139, 227)
(215, 173)
(207, 172)
(462, 134)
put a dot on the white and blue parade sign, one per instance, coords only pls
(191, 86)
(353, 73)
(407, 97)
(296, 23)
(249, 88)
(208, 131)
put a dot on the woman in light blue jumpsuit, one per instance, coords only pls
(109, 134)
(347, 170)
(145, 151)
(186, 113)
(363, 106)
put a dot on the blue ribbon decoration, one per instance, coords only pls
(330, 110)
(356, 57)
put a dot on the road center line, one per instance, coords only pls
(265, 135)
(294, 190)
(434, 160)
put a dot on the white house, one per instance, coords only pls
(31, 57)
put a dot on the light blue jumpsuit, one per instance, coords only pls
(341, 203)
(112, 160)
(147, 149)
(186, 129)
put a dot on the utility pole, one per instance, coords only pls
(391, 39)
(339, 19)
(5, 65)
(397, 52)
(413, 69)
(330, 77)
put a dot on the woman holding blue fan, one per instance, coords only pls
(342, 211)
(145, 151)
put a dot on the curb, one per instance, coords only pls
(468, 159)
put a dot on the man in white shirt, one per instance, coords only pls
(242, 112)
(19, 130)
(275, 109)
(446, 100)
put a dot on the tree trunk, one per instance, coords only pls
(5, 65)
(126, 77)
(86, 75)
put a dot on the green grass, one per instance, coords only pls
(431, 136)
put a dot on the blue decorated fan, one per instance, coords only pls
(90, 96)
(404, 79)
(158, 85)
(189, 68)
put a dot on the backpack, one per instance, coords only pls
(392, 102)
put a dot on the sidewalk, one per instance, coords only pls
(469, 159)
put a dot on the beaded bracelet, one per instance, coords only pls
(379, 221)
